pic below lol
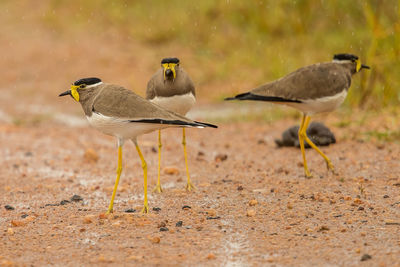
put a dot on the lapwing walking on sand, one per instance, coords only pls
(171, 88)
(119, 112)
(317, 88)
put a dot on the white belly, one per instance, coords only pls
(121, 128)
(324, 104)
(180, 104)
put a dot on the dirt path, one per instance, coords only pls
(327, 220)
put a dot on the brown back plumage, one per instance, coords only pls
(310, 82)
(118, 102)
(181, 85)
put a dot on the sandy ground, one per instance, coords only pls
(252, 205)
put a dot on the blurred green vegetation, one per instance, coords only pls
(257, 41)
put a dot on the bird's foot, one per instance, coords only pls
(308, 174)
(158, 189)
(190, 186)
(145, 208)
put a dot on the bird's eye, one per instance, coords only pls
(82, 86)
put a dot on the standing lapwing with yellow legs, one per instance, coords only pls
(317, 88)
(119, 112)
(171, 88)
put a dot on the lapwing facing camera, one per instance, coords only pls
(317, 88)
(119, 112)
(171, 88)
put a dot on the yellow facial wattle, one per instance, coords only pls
(358, 66)
(74, 92)
(170, 66)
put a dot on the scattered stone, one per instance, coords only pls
(221, 157)
(63, 202)
(211, 212)
(154, 239)
(90, 156)
(391, 222)
(164, 229)
(251, 213)
(161, 224)
(10, 231)
(88, 219)
(171, 170)
(156, 209)
(360, 208)
(240, 188)
(186, 207)
(253, 202)
(52, 205)
(385, 196)
(24, 216)
(210, 256)
(76, 198)
(8, 207)
(213, 218)
(28, 154)
(130, 210)
(317, 132)
(103, 216)
(179, 224)
(366, 257)
(323, 228)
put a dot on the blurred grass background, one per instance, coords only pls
(227, 46)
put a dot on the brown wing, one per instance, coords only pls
(314, 81)
(116, 101)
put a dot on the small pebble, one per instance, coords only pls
(156, 209)
(10, 231)
(253, 202)
(179, 224)
(251, 213)
(385, 196)
(76, 198)
(366, 257)
(213, 218)
(90, 156)
(186, 207)
(171, 170)
(8, 207)
(155, 239)
(163, 229)
(221, 157)
(240, 188)
(63, 202)
(211, 256)
(130, 210)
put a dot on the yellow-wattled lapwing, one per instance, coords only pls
(317, 88)
(119, 112)
(171, 88)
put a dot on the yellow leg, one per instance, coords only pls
(301, 140)
(119, 170)
(329, 164)
(144, 166)
(189, 185)
(158, 187)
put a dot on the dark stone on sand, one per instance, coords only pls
(366, 257)
(76, 198)
(130, 210)
(8, 207)
(163, 229)
(186, 207)
(319, 134)
(156, 209)
(179, 224)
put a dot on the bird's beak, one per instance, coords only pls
(364, 66)
(73, 92)
(65, 93)
(168, 69)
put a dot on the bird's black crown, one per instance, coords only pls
(170, 60)
(345, 57)
(87, 81)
